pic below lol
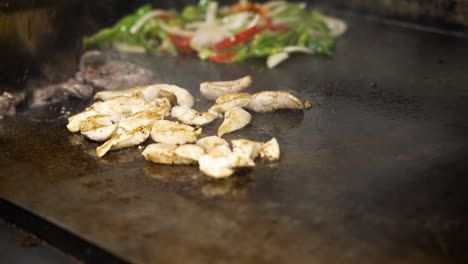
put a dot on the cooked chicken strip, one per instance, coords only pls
(269, 101)
(247, 148)
(106, 95)
(161, 106)
(143, 118)
(173, 154)
(176, 94)
(216, 166)
(116, 108)
(190, 151)
(98, 127)
(234, 119)
(125, 140)
(148, 93)
(270, 150)
(211, 142)
(192, 117)
(74, 121)
(228, 101)
(169, 132)
(222, 166)
(120, 107)
(212, 90)
(220, 161)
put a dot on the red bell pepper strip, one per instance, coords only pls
(278, 27)
(246, 35)
(182, 43)
(238, 38)
(166, 16)
(223, 58)
(256, 8)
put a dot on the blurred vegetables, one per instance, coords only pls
(226, 34)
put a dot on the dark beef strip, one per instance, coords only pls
(8, 102)
(97, 70)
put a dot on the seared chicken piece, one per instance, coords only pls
(116, 108)
(132, 130)
(161, 106)
(269, 101)
(169, 132)
(270, 150)
(148, 93)
(192, 117)
(212, 90)
(120, 107)
(220, 161)
(143, 118)
(228, 101)
(190, 151)
(125, 140)
(175, 94)
(127, 121)
(74, 121)
(173, 154)
(98, 127)
(248, 148)
(216, 166)
(106, 95)
(234, 119)
(221, 150)
(211, 142)
(222, 166)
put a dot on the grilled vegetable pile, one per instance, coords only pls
(224, 34)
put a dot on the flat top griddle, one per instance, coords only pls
(375, 172)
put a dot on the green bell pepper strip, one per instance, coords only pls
(105, 36)
(144, 39)
(203, 5)
(171, 48)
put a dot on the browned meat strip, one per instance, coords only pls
(8, 103)
(106, 73)
(97, 70)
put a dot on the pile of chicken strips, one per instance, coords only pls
(126, 118)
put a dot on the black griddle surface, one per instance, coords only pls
(374, 172)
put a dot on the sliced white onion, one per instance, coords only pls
(208, 34)
(236, 20)
(254, 21)
(337, 26)
(126, 48)
(210, 16)
(194, 25)
(276, 59)
(277, 10)
(145, 18)
(302, 49)
(177, 31)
